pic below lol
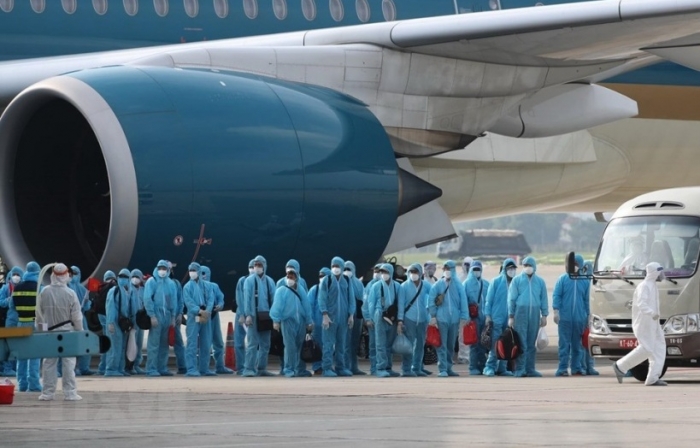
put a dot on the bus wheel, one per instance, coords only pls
(640, 372)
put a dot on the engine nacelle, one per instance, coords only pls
(121, 166)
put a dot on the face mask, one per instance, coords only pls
(385, 277)
(123, 282)
(16, 279)
(63, 279)
(376, 275)
(347, 273)
(448, 274)
(291, 282)
(135, 281)
(575, 268)
(662, 276)
(529, 270)
(162, 273)
(251, 270)
(510, 273)
(259, 270)
(193, 275)
(414, 277)
(335, 271)
(477, 274)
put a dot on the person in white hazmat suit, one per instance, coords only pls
(58, 307)
(645, 323)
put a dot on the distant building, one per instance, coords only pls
(485, 245)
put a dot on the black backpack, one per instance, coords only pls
(508, 346)
(99, 299)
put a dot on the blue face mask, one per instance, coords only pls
(123, 282)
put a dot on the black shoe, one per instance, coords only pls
(619, 374)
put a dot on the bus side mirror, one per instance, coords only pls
(571, 264)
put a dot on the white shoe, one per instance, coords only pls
(44, 397)
(73, 397)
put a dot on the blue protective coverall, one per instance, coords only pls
(369, 323)
(382, 295)
(449, 315)
(199, 300)
(82, 362)
(111, 278)
(9, 368)
(120, 303)
(239, 330)
(414, 296)
(179, 347)
(28, 369)
(138, 305)
(293, 264)
(292, 310)
(354, 333)
(160, 300)
(587, 361)
(336, 301)
(528, 305)
(317, 317)
(496, 309)
(477, 289)
(571, 300)
(217, 337)
(257, 342)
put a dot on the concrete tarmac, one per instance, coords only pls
(228, 411)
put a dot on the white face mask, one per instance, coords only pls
(385, 277)
(376, 276)
(63, 279)
(335, 271)
(510, 272)
(193, 275)
(347, 273)
(477, 274)
(259, 270)
(135, 281)
(575, 268)
(529, 270)
(291, 282)
(448, 274)
(16, 279)
(251, 270)
(414, 277)
(162, 274)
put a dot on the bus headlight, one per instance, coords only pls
(599, 326)
(681, 324)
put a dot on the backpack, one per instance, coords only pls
(508, 345)
(99, 299)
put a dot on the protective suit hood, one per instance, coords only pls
(76, 277)
(294, 265)
(654, 269)
(531, 261)
(205, 272)
(161, 264)
(339, 261)
(325, 271)
(350, 265)
(261, 259)
(417, 267)
(476, 264)
(15, 270)
(389, 268)
(251, 263)
(137, 273)
(109, 275)
(31, 274)
(450, 264)
(579, 262)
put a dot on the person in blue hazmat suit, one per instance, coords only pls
(570, 302)
(413, 318)
(383, 295)
(239, 329)
(496, 312)
(528, 308)
(119, 304)
(477, 289)
(649, 334)
(587, 360)
(291, 314)
(317, 317)
(337, 305)
(293, 265)
(199, 300)
(23, 304)
(216, 333)
(449, 313)
(83, 364)
(354, 333)
(259, 291)
(160, 300)
(369, 321)
(109, 278)
(179, 347)
(14, 277)
(138, 283)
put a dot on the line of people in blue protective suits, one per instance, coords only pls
(332, 312)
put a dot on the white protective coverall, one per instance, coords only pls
(645, 323)
(57, 304)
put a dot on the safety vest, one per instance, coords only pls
(24, 299)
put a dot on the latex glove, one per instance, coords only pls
(178, 320)
(241, 320)
(249, 321)
(399, 328)
(310, 328)
(111, 328)
(217, 308)
(204, 317)
(172, 322)
(369, 324)
(462, 323)
(326, 322)
(154, 322)
(655, 317)
(276, 326)
(511, 322)
(556, 317)
(351, 321)
(488, 319)
(543, 321)
(433, 322)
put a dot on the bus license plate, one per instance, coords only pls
(628, 343)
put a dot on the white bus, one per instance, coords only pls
(661, 226)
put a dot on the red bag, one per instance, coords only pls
(433, 337)
(469, 333)
(171, 336)
(473, 310)
(584, 338)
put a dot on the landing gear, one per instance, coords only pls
(640, 372)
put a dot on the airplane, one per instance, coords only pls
(217, 130)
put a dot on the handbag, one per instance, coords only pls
(486, 339)
(310, 351)
(429, 355)
(474, 307)
(470, 333)
(263, 321)
(433, 337)
(584, 337)
(171, 336)
(131, 349)
(401, 345)
(391, 313)
(142, 319)
(125, 323)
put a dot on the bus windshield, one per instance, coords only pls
(629, 244)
